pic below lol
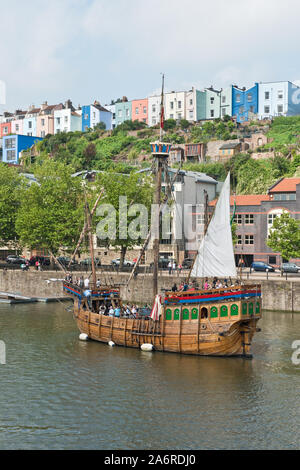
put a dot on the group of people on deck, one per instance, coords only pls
(215, 284)
(126, 311)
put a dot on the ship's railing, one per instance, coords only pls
(251, 289)
(67, 285)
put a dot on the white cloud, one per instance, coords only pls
(85, 49)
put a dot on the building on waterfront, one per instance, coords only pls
(278, 99)
(244, 103)
(14, 144)
(93, 114)
(17, 123)
(123, 111)
(139, 110)
(226, 102)
(255, 214)
(67, 119)
(175, 105)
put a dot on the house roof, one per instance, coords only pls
(246, 200)
(284, 185)
(231, 145)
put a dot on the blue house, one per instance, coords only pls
(92, 114)
(244, 102)
(14, 144)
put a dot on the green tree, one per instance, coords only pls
(284, 236)
(138, 190)
(11, 187)
(51, 211)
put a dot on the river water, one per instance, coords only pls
(60, 393)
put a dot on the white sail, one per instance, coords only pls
(215, 255)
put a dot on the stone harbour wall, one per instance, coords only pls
(277, 295)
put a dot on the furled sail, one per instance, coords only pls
(215, 255)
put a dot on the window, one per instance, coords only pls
(200, 219)
(271, 218)
(171, 116)
(86, 116)
(29, 133)
(136, 110)
(249, 218)
(153, 121)
(267, 95)
(212, 113)
(10, 155)
(241, 109)
(17, 127)
(249, 97)
(114, 116)
(238, 98)
(179, 116)
(238, 219)
(191, 114)
(249, 239)
(153, 108)
(212, 99)
(223, 99)
(284, 197)
(43, 122)
(58, 120)
(280, 95)
(179, 104)
(267, 109)
(239, 240)
(251, 109)
(94, 115)
(171, 105)
(280, 108)
(223, 111)
(66, 118)
(30, 125)
(127, 112)
(120, 113)
(272, 259)
(10, 143)
(43, 133)
(144, 110)
(191, 102)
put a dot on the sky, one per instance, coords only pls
(99, 49)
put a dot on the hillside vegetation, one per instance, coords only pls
(127, 148)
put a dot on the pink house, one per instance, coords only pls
(140, 110)
(45, 119)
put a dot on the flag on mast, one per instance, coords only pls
(162, 112)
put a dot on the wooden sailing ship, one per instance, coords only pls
(211, 322)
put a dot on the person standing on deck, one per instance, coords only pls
(86, 282)
(170, 267)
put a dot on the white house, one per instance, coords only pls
(278, 99)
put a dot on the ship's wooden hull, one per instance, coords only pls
(227, 330)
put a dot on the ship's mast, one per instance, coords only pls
(89, 228)
(160, 152)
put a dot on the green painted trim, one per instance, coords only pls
(224, 311)
(195, 313)
(185, 314)
(257, 307)
(244, 308)
(234, 310)
(176, 314)
(168, 314)
(214, 312)
(251, 308)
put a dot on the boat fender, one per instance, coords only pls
(147, 347)
(111, 344)
(83, 337)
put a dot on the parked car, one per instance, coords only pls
(15, 260)
(116, 262)
(289, 268)
(162, 262)
(187, 262)
(65, 260)
(43, 260)
(261, 266)
(88, 262)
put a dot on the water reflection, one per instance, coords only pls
(58, 392)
